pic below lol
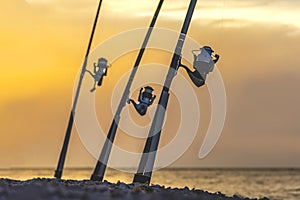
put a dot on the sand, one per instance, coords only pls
(71, 189)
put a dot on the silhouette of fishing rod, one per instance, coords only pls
(146, 98)
(100, 70)
(203, 64)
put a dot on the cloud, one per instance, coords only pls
(249, 10)
(294, 33)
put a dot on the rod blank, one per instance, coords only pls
(62, 157)
(101, 165)
(146, 164)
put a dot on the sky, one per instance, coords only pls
(43, 44)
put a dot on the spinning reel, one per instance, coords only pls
(100, 70)
(146, 98)
(204, 63)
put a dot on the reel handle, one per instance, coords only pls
(217, 57)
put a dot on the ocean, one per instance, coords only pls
(276, 184)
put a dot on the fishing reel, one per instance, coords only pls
(146, 98)
(204, 62)
(100, 70)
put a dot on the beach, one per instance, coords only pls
(70, 189)
(275, 184)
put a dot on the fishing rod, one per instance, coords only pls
(203, 64)
(146, 98)
(100, 70)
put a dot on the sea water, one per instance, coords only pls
(275, 184)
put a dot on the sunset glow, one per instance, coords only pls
(43, 43)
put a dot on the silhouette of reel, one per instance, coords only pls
(91, 132)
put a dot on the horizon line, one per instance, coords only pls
(166, 169)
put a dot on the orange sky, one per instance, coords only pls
(43, 44)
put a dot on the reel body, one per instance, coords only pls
(204, 63)
(100, 70)
(146, 98)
